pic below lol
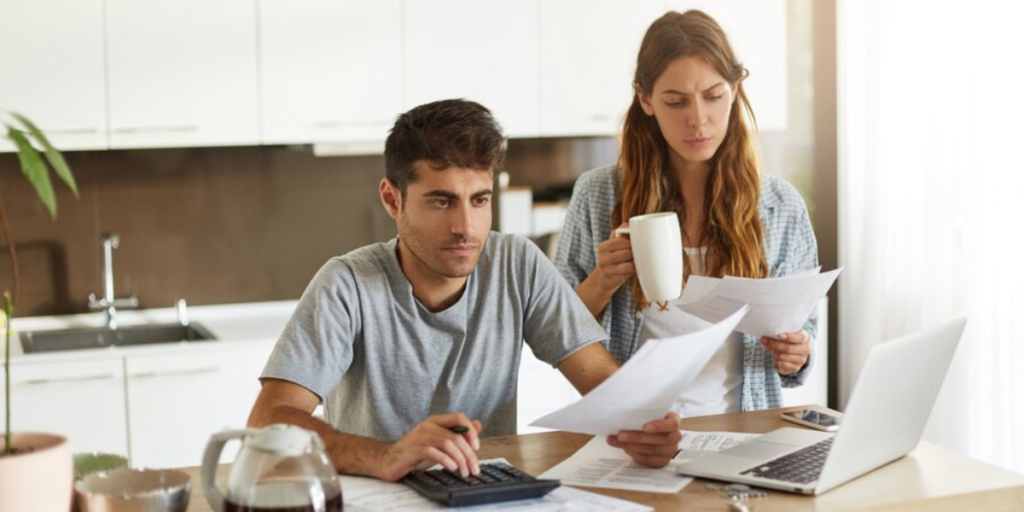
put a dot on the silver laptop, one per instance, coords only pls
(883, 421)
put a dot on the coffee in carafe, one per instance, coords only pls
(281, 468)
(331, 505)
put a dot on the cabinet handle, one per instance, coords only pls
(70, 131)
(342, 124)
(84, 378)
(176, 373)
(156, 129)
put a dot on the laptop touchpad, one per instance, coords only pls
(762, 450)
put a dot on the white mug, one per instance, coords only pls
(657, 254)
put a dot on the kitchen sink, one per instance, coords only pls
(102, 337)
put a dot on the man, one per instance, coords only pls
(406, 340)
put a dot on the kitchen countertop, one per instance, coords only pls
(234, 326)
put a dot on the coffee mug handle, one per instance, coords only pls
(619, 232)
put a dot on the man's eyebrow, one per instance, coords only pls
(441, 193)
(673, 91)
(452, 195)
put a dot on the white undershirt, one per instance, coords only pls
(717, 388)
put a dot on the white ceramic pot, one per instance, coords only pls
(40, 480)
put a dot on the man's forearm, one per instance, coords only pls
(352, 455)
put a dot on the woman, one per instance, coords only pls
(687, 148)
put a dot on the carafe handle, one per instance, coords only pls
(211, 458)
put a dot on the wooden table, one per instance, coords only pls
(931, 478)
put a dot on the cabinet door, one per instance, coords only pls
(588, 57)
(757, 32)
(542, 390)
(83, 401)
(51, 53)
(481, 50)
(181, 73)
(330, 70)
(176, 402)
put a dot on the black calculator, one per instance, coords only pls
(496, 482)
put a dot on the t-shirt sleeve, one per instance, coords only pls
(316, 347)
(557, 322)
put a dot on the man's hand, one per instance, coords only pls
(433, 442)
(790, 351)
(655, 445)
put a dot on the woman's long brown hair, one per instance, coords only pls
(733, 232)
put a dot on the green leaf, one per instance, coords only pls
(54, 156)
(35, 170)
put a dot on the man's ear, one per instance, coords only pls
(391, 197)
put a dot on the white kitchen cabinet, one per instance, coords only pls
(541, 390)
(181, 73)
(52, 67)
(757, 32)
(176, 402)
(82, 401)
(588, 54)
(330, 70)
(481, 50)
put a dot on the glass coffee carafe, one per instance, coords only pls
(280, 468)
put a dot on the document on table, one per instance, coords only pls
(777, 305)
(646, 386)
(600, 465)
(371, 495)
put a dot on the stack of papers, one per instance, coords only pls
(646, 386)
(600, 465)
(372, 495)
(778, 305)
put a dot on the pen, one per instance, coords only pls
(459, 429)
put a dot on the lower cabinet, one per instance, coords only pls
(82, 401)
(158, 409)
(176, 402)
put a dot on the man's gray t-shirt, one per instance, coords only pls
(382, 362)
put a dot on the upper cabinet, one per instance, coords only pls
(179, 73)
(587, 58)
(51, 69)
(757, 32)
(482, 50)
(182, 73)
(330, 70)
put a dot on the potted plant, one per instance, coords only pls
(35, 468)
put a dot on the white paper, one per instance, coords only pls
(777, 305)
(371, 495)
(646, 386)
(695, 445)
(600, 465)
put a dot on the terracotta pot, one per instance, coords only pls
(40, 480)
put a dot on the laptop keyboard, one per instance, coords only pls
(802, 466)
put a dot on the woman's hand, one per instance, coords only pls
(790, 351)
(614, 262)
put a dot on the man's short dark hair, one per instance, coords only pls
(446, 133)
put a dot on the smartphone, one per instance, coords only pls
(813, 419)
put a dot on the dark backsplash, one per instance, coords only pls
(218, 225)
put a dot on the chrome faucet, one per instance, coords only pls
(109, 304)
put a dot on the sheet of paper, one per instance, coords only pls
(600, 465)
(695, 445)
(777, 305)
(645, 387)
(371, 495)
